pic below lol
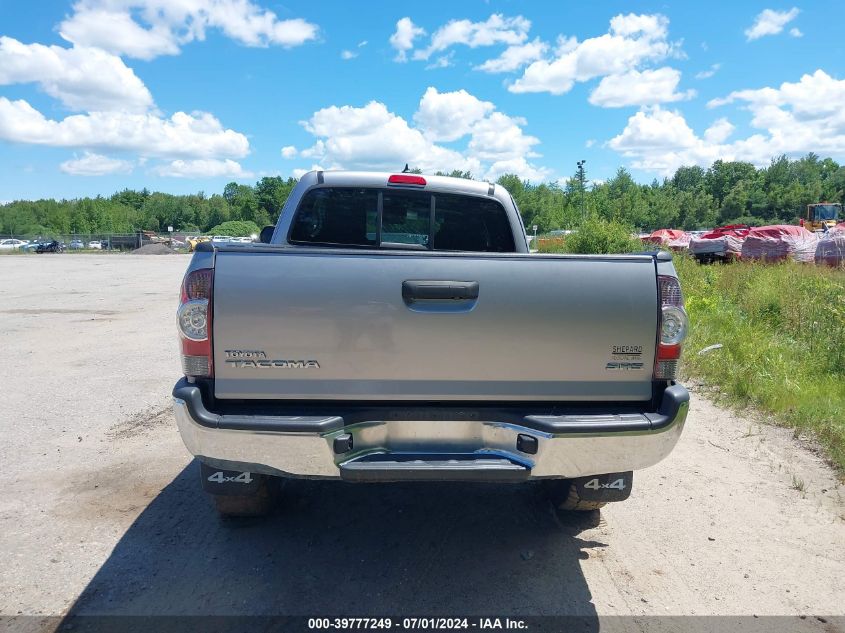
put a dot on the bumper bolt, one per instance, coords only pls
(526, 444)
(342, 443)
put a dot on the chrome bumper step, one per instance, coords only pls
(392, 467)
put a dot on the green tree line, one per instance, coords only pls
(130, 210)
(727, 192)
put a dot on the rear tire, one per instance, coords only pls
(255, 505)
(565, 498)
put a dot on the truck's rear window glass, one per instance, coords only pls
(348, 216)
(335, 215)
(406, 217)
(471, 224)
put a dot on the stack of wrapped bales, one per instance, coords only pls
(830, 250)
(779, 242)
(724, 242)
(675, 239)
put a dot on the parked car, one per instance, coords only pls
(12, 244)
(436, 350)
(96, 245)
(31, 246)
(53, 246)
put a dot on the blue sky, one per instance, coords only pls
(98, 95)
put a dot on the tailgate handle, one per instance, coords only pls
(439, 290)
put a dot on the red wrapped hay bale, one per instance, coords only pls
(724, 242)
(675, 239)
(780, 241)
(830, 250)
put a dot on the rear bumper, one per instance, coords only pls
(574, 445)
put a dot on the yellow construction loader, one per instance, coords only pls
(193, 241)
(822, 216)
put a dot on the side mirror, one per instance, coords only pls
(267, 234)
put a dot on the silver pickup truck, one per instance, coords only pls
(394, 327)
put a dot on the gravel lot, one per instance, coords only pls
(102, 513)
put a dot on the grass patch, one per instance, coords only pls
(782, 328)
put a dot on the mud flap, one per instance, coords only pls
(607, 488)
(229, 482)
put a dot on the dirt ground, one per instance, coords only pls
(101, 510)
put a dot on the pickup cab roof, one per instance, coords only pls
(380, 179)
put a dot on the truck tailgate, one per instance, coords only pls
(323, 324)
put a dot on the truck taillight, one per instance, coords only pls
(673, 328)
(194, 320)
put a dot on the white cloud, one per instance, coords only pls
(117, 110)
(661, 141)
(90, 164)
(520, 167)
(639, 24)
(515, 57)
(497, 29)
(813, 98)
(315, 151)
(289, 151)
(443, 61)
(795, 32)
(362, 43)
(648, 87)
(202, 168)
(117, 32)
(196, 135)
(770, 22)
(81, 78)
(719, 131)
(631, 41)
(447, 116)
(347, 55)
(590, 142)
(706, 74)
(793, 119)
(499, 137)
(146, 29)
(373, 138)
(403, 38)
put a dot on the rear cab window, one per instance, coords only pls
(388, 218)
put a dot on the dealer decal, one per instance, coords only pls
(625, 358)
(623, 366)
